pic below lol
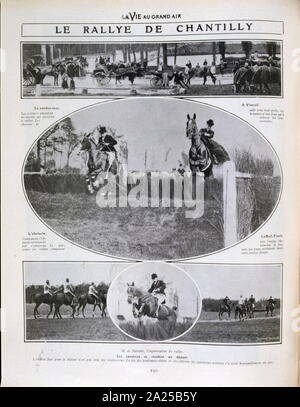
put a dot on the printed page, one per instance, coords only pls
(149, 193)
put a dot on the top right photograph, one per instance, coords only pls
(197, 69)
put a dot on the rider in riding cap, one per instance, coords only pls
(271, 301)
(251, 300)
(69, 289)
(93, 291)
(107, 144)
(226, 302)
(157, 289)
(48, 290)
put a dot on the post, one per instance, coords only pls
(229, 204)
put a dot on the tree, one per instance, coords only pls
(247, 47)
(165, 55)
(271, 49)
(71, 139)
(214, 50)
(222, 48)
(175, 54)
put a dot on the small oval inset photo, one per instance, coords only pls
(154, 301)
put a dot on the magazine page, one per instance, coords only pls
(150, 230)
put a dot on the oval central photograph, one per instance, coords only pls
(152, 179)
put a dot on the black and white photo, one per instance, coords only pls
(152, 179)
(220, 68)
(153, 302)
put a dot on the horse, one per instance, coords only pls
(85, 299)
(241, 312)
(38, 299)
(269, 309)
(241, 79)
(248, 79)
(204, 73)
(98, 162)
(223, 309)
(148, 303)
(39, 74)
(264, 76)
(200, 158)
(250, 310)
(64, 299)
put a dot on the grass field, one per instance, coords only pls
(207, 330)
(140, 233)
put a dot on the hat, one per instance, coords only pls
(210, 122)
(153, 276)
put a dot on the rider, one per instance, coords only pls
(226, 302)
(93, 291)
(251, 301)
(241, 301)
(271, 301)
(206, 135)
(107, 144)
(69, 289)
(157, 289)
(48, 292)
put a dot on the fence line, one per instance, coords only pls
(229, 176)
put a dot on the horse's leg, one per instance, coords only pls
(95, 305)
(51, 307)
(82, 310)
(35, 311)
(78, 308)
(101, 309)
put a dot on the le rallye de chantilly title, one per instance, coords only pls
(163, 28)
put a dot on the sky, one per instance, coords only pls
(158, 125)
(217, 281)
(78, 272)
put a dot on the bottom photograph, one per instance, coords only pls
(152, 302)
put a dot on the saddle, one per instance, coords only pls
(150, 301)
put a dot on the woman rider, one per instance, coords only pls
(219, 154)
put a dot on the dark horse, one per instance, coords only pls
(85, 299)
(240, 312)
(148, 303)
(224, 309)
(39, 74)
(270, 309)
(64, 299)
(247, 79)
(39, 299)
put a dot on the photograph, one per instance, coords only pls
(152, 302)
(223, 68)
(152, 179)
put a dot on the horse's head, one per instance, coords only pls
(191, 127)
(133, 293)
